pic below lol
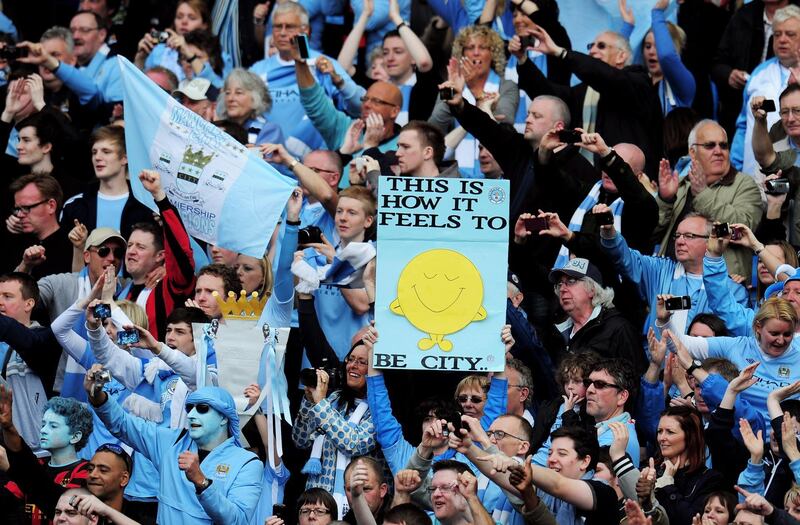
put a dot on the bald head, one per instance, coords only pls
(386, 91)
(632, 155)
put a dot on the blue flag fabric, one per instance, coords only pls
(226, 196)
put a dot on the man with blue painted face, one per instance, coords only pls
(205, 475)
(66, 426)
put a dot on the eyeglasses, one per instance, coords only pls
(118, 451)
(83, 30)
(569, 282)
(202, 408)
(599, 384)
(374, 100)
(26, 209)
(785, 112)
(446, 489)
(500, 434)
(599, 45)
(709, 146)
(103, 252)
(688, 236)
(317, 512)
(359, 362)
(517, 386)
(474, 399)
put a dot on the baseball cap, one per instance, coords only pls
(513, 279)
(578, 268)
(197, 89)
(101, 235)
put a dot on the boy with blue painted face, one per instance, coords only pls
(66, 426)
(205, 476)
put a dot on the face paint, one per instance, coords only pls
(55, 433)
(207, 427)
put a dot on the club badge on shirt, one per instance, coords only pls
(222, 471)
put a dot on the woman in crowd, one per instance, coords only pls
(686, 482)
(720, 508)
(244, 100)
(481, 62)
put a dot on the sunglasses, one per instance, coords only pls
(599, 384)
(202, 408)
(599, 45)
(474, 399)
(709, 146)
(103, 252)
(117, 451)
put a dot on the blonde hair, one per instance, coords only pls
(473, 382)
(490, 37)
(792, 495)
(775, 308)
(135, 313)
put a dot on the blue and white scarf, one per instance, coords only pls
(346, 270)
(585, 207)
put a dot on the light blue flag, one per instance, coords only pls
(441, 275)
(226, 195)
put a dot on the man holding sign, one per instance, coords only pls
(440, 240)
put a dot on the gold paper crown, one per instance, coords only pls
(243, 307)
(196, 158)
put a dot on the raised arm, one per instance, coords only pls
(349, 50)
(574, 491)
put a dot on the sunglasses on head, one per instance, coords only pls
(474, 399)
(103, 251)
(117, 451)
(202, 408)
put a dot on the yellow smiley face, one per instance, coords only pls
(440, 292)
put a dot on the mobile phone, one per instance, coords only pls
(527, 41)
(447, 93)
(776, 186)
(252, 135)
(127, 337)
(605, 218)
(302, 45)
(360, 163)
(102, 311)
(569, 136)
(279, 511)
(721, 230)
(768, 105)
(536, 224)
(683, 302)
(736, 234)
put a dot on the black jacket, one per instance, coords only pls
(628, 110)
(84, 208)
(610, 335)
(686, 497)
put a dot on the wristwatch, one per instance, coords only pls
(696, 363)
(203, 486)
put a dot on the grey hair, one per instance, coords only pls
(291, 7)
(698, 215)
(251, 82)
(785, 13)
(560, 108)
(525, 376)
(705, 122)
(512, 288)
(622, 43)
(61, 33)
(601, 296)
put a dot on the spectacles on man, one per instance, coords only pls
(321, 170)
(445, 489)
(785, 112)
(599, 384)
(286, 27)
(711, 145)
(26, 208)
(569, 282)
(305, 511)
(103, 251)
(374, 100)
(202, 408)
(500, 434)
(688, 236)
(475, 399)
